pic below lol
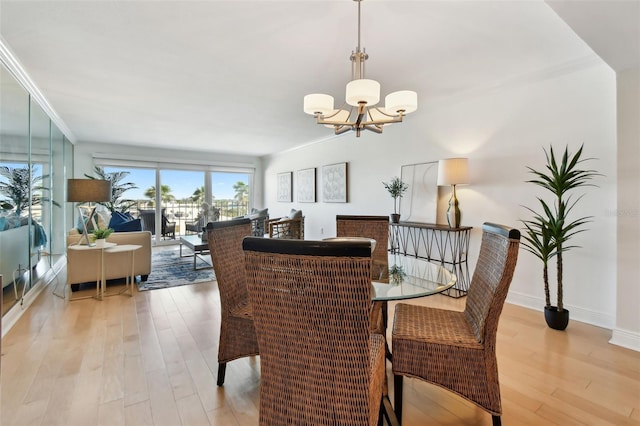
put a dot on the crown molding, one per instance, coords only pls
(14, 66)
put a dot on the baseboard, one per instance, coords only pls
(588, 316)
(626, 338)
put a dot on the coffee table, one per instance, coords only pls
(198, 247)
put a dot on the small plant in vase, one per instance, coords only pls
(100, 235)
(396, 188)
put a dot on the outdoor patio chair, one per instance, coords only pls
(149, 223)
(237, 333)
(319, 364)
(377, 228)
(457, 350)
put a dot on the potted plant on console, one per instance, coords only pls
(100, 236)
(547, 234)
(396, 188)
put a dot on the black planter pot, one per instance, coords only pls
(394, 217)
(558, 320)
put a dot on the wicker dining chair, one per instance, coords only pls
(237, 332)
(311, 300)
(457, 350)
(377, 228)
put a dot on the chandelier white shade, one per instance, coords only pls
(359, 112)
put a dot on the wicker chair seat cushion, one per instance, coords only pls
(242, 310)
(431, 325)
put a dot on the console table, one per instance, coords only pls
(436, 243)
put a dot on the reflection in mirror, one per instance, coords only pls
(14, 160)
(40, 205)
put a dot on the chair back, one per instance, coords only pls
(376, 227)
(148, 220)
(311, 302)
(491, 279)
(224, 239)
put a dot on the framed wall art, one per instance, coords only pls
(285, 189)
(420, 202)
(306, 185)
(334, 183)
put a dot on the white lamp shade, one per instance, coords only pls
(453, 171)
(403, 100)
(363, 90)
(318, 103)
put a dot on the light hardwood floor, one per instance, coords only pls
(151, 360)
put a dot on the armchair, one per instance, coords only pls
(149, 223)
(290, 227)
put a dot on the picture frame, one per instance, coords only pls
(306, 185)
(420, 202)
(334, 183)
(284, 188)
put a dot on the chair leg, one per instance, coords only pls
(381, 415)
(222, 369)
(397, 396)
(496, 420)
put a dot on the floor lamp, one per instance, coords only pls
(88, 191)
(453, 171)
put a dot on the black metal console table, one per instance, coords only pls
(437, 243)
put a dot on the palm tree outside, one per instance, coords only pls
(242, 191)
(165, 194)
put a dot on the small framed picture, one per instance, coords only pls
(285, 189)
(334, 183)
(306, 185)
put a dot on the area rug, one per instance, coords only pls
(168, 269)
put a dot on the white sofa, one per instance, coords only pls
(82, 264)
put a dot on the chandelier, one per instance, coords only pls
(362, 95)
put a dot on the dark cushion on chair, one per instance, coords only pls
(122, 222)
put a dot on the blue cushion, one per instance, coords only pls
(117, 218)
(3, 223)
(129, 226)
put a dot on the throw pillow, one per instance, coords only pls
(121, 222)
(295, 214)
(134, 225)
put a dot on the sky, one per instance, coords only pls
(182, 183)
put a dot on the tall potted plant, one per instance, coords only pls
(396, 188)
(548, 233)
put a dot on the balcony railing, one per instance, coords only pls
(182, 213)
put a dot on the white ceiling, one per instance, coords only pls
(229, 76)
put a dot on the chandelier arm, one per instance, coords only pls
(373, 128)
(342, 129)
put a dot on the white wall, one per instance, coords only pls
(501, 130)
(627, 329)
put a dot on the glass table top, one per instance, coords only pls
(411, 277)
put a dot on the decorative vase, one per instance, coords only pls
(394, 217)
(453, 212)
(101, 242)
(558, 320)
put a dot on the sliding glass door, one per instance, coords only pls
(187, 198)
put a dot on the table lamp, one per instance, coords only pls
(88, 191)
(453, 171)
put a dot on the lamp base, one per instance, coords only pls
(453, 212)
